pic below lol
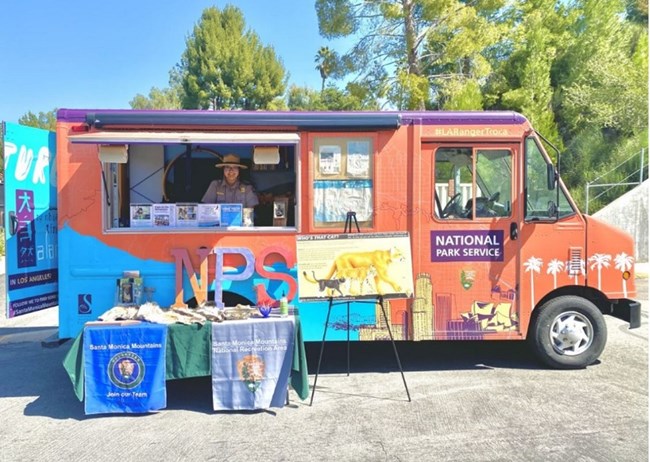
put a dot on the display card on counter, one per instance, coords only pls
(209, 215)
(141, 216)
(186, 215)
(231, 215)
(164, 215)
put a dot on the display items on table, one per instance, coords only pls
(248, 217)
(164, 215)
(191, 215)
(209, 215)
(280, 206)
(187, 215)
(231, 215)
(284, 306)
(265, 310)
(152, 312)
(141, 216)
(129, 290)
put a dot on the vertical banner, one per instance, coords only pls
(124, 368)
(251, 363)
(30, 219)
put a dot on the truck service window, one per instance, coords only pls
(161, 187)
(343, 180)
(472, 183)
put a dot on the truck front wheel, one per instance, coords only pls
(568, 332)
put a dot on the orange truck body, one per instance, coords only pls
(461, 290)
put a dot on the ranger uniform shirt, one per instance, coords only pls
(219, 192)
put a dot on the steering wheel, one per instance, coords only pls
(451, 207)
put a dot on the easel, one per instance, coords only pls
(352, 216)
(348, 222)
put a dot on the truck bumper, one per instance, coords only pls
(627, 310)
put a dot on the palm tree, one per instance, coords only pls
(325, 63)
(533, 264)
(599, 260)
(623, 262)
(554, 267)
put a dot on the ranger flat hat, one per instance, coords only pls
(231, 160)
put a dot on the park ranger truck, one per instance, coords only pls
(499, 249)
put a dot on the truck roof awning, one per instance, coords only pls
(291, 120)
(125, 137)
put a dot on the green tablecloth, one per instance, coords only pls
(188, 352)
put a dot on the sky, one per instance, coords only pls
(99, 55)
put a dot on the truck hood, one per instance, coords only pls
(610, 259)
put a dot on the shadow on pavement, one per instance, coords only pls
(45, 331)
(29, 370)
(421, 356)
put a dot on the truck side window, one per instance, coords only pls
(160, 187)
(473, 183)
(539, 199)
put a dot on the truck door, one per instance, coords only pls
(471, 241)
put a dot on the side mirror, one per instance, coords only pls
(551, 177)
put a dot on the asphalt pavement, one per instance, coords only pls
(470, 401)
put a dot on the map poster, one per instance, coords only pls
(354, 266)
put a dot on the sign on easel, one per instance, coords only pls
(354, 266)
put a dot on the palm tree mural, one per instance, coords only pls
(533, 264)
(600, 261)
(325, 63)
(623, 262)
(554, 266)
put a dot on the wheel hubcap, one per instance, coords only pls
(571, 333)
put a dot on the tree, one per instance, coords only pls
(304, 99)
(401, 44)
(226, 67)
(605, 82)
(353, 98)
(44, 120)
(524, 63)
(162, 98)
(601, 92)
(325, 64)
(165, 98)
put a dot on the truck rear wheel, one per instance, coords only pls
(568, 332)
